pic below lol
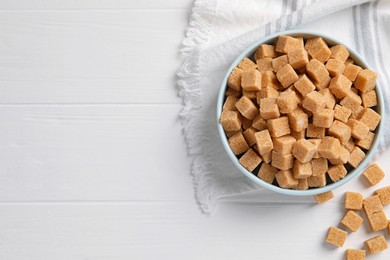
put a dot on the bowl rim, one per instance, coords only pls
(351, 174)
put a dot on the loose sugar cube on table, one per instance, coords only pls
(230, 120)
(376, 244)
(264, 141)
(352, 220)
(318, 49)
(378, 221)
(285, 179)
(286, 44)
(278, 126)
(282, 161)
(250, 160)
(336, 236)
(251, 80)
(342, 113)
(351, 71)
(319, 166)
(353, 200)
(357, 155)
(337, 172)
(318, 73)
(384, 195)
(365, 80)
(304, 150)
(370, 118)
(335, 67)
(267, 172)
(247, 108)
(269, 108)
(323, 197)
(373, 174)
(372, 205)
(355, 254)
(339, 52)
(287, 75)
(340, 86)
(284, 144)
(238, 144)
(234, 79)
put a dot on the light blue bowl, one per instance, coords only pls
(351, 174)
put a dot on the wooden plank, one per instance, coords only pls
(90, 57)
(110, 152)
(93, 4)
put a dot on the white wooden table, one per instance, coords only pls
(93, 163)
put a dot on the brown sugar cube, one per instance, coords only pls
(349, 61)
(351, 101)
(369, 99)
(265, 51)
(264, 64)
(267, 172)
(278, 126)
(314, 101)
(298, 135)
(232, 93)
(318, 73)
(357, 155)
(317, 143)
(343, 157)
(282, 161)
(304, 85)
(367, 142)
(337, 172)
(264, 141)
(269, 80)
(323, 197)
(287, 75)
(323, 117)
(249, 135)
(252, 95)
(340, 86)
(230, 104)
(247, 108)
(355, 254)
(365, 80)
(302, 185)
(384, 195)
(319, 166)
(304, 150)
(284, 144)
(298, 119)
(335, 67)
(259, 123)
(318, 49)
(285, 44)
(231, 133)
(357, 112)
(234, 79)
(373, 174)
(267, 157)
(247, 64)
(351, 71)
(279, 62)
(230, 120)
(336, 236)
(378, 221)
(301, 170)
(330, 147)
(352, 220)
(298, 58)
(287, 101)
(339, 52)
(246, 123)
(285, 179)
(342, 113)
(330, 100)
(238, 144)
(267, 92)
(372, 205)
(301, 40)
(269, 108)
(317, 181)
(251, 80)
(313, 131)
(340, 130)
(353, 200)
(250, 160)
(376, 244)
(349, 144)
(358, 129)
(370, 118)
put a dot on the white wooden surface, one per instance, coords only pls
(93, 164)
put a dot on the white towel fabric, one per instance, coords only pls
(221, 29)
